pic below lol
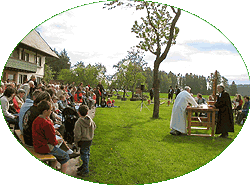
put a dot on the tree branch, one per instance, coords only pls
(173, 9)
(158, 52)
(171, 35)
(155, 53)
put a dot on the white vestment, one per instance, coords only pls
(178, 117)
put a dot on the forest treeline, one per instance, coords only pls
(127, 75)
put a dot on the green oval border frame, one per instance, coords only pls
(20, 17)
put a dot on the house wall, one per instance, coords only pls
(19, 77)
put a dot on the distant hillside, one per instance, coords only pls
(244, 90)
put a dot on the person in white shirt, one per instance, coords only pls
(178, 117)
(8, 95)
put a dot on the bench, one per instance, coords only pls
(12, 127)
(31, 150)
(243, 121)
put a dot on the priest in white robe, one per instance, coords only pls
(178, 117)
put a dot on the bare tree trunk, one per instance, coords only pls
(156, 85)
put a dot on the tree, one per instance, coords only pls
(48, 73)
(67, 76)
(57, 64)
(88, 75)
(165, 80)
(130, 71)
(148, 73)
(157, 29)
(225, 84)
(210, 81)
(233, 89)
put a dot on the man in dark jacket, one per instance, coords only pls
(177, 91)
(151, 92)
(30, 115)
(225, 122)
(170, 93)
(101, 89)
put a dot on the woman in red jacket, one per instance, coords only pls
(44, 136)
(78, 96)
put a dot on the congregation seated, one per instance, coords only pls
(19, 98)
(244, 112)
(62, 103)
(71, 97)
(47, 140)
(61, 91)
(30, 115)
(109, 102)
(103, 103)
(200, 100)
(27, 104)
(78, 96)
(237, 104)
(210, 98)
(8, 95)
(55, 105)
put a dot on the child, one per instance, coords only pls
(62, 103)
(103, 103)
(55, 105)
(113, 103)
(44, 136)
(83, 134)
(109, 102)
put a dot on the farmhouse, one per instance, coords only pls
(28, 58)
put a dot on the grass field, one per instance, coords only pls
(130, 147)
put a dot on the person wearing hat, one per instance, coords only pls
(19, 97)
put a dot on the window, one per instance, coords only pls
(22, 78)
(39, 61)
(25, 56)
(11, 77)
(38, 80)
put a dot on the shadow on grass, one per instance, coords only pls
(129, 126)
(215, 142)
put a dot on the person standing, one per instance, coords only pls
(98, 95)
(32, 89)
(178, 117)
(177, 91)
(170, 93)
(225, 115)
(151, 92)
(101, 88)
(83, 136)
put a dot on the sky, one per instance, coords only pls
(95, 35)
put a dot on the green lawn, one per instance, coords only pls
(130, 147)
